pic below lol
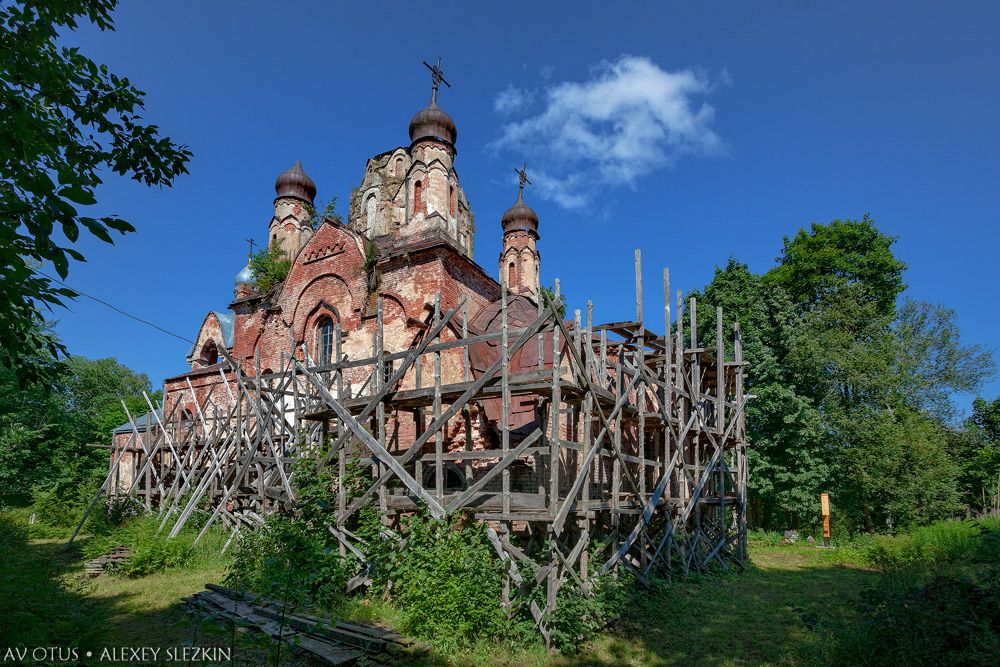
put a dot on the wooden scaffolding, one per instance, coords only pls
(638, 444)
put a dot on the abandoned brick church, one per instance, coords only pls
(387, 347)
(409, 239)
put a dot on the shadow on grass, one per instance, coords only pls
(46, 601)
(789, 607)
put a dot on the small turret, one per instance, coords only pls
(520, 261)
(245, 283)
(291, 225)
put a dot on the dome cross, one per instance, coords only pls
(437, 78)
(522, 175)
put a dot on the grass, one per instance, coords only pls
(786, 609)
(794, 606)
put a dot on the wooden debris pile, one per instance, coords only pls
(99, 565)
(331, 643)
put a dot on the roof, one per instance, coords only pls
(140, 423)
(227, 324)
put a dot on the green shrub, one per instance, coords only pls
(293, 556)
(937, 544)
(152, 550)
(270, 266)
(447, 581)
(945, 621)
(579, 616)
(769, 538)
(287, 560)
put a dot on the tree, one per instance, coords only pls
(845, 254)
(66, 120)
(986, 416)
(932, 362)
(978, 449)
(45, 430)
(851, 396)
(789, 457)
(270, 266)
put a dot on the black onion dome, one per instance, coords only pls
(520, 217)
(295, 183)
(433, 123)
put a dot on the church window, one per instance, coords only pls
(452, 198)
(418, 197)
(398, 170)
(511, 275)
(209, 354)
(386, 367)
(325, 342)
(454, 478)
(370, 213)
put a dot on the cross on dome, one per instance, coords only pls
(522, 175)
(437, 78)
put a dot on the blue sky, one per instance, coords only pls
(738, 124)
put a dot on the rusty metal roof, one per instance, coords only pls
(295, 183)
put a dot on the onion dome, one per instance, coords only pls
(432, 123)
(245, 277)
(295, 183)
(520, 218)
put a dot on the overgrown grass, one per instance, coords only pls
(152, 550)
(796, 605)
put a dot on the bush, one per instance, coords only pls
(287, 560)
(152, 550)
(946, 621)
(447, 581)
(579, 616)
(293, 556)
(940, 543)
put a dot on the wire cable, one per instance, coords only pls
(116, 308)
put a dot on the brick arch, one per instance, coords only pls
(303, 300)
(304, 319)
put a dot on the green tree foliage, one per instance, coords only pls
(853, 396)
(45, 428)
(327, 212)
(843, 255)
(978, 448)
(65, 121)
(270, 266)
(932, 362)
(548, 295)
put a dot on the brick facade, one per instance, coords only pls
(410, 212)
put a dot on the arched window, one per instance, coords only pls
(398, 169)
(452, 199)
(454, 478)
(511, 275)
(418, 197)
(387, 366)
(370, 213)
(187, 419)
(209, 354)
(324, 344)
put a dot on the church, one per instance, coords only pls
(407, 247)
(387, 348)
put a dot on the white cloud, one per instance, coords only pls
(629, 119)
(511, 100)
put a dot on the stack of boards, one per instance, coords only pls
(99, 565)
(330, 643)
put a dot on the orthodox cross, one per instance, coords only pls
(437, 77)
(522, 175)
(251, 242)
